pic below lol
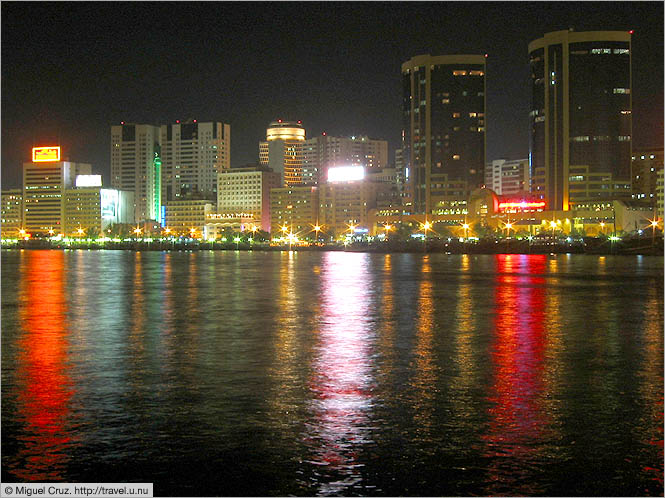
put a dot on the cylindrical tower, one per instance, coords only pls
(282, 150)
(581, 118)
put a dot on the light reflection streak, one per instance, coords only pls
(517, 418)
(342, 380)
(46, 389)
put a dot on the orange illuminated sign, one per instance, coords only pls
(45, 154)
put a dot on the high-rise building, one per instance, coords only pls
(92, 209)
(45, 180)
(508, 177)
(645, 166)
(193, 154)
(282, 151)
(136, 166)
(444, 128)
(295, 208)
(324, 151)
(581, 117)
(247, 191)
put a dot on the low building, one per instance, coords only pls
(12, 210)
(93, 209)
(188, 216)
(216, 224)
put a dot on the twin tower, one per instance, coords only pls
(580, 123)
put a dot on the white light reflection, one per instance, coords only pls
(342, 380)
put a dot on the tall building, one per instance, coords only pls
(247, 191)
(45, 180)
(193, 154)
(282, 151)
(136, 166)
(295, 208)
(93, 209)
(581, 117)
(508, 177)
(645, 167)
(324, 151)
(444, 128)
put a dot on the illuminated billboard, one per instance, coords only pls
(515, 206)
(88, 180)
(346, 173)
(45, 154)
(110, 200)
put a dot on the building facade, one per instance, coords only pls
(247, 191)
(324, 151)
(94, 209)
(295, 208)
(136, 166)
(187, 217)
(443, 104)
(581, 117)
(508, 177)
(282, 151)
(44, 186)
(192, 155)
(12, 212)
(645, 166)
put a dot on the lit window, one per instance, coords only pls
(621, 91)
(473, 114)
(625, 112)
(624, 138)
(456, 157)
(621, 51)
(445, 101)
(598, 51)
(476, 73)
(459, 72)
(584, 138)
(456, 114)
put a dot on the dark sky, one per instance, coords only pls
(71, 70)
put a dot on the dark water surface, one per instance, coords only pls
(238, 373)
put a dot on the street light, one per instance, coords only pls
(509, 226)
(387, 228)
(654, 225)
(137, 231)
(465, 226)
(602, 227)
(317, 229)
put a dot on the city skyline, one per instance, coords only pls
(127, 65)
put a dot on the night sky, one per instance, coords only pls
(71, 70)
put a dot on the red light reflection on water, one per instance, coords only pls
(342, 380)
(517, 417)
(45, 389)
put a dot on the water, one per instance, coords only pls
(237, 373)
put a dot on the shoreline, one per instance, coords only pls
(596, 247)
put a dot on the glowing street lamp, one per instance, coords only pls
(465, 226)
(654, 225)
(509, 226)
(80, 232)
(51, 232)
(602, 227)
(237, 241)
(317, 229)
(387, 228)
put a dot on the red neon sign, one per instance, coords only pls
(522, 205)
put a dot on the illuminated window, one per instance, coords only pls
(584, 138)
(473, 114)
(621, 51)
(459, 72)
(476, 73)
(456, 114)
(598, 51)
(456, 157)
(624, 138)
(625, 112)
(621, 91)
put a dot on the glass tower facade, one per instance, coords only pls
(443, 103)
(581, 117)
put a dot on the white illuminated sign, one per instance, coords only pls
(88, 180)
(346, 173)
(110, 200)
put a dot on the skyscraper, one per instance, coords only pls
(444, 128)
(282, 150)
(581, 117)
(193, 154)
(136, 166)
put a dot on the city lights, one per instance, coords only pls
(346, 174)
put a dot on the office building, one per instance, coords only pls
(645, 167)
(45, 180)
(581, 117)
(136, 166)
(12, 211)
(193, 154)
(659, 194)
(508, 177)
(324, 151)
(282, 151)
(295, 208)
(247, 191)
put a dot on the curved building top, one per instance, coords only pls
(423, 60)
(285, 130)
(569, 36)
